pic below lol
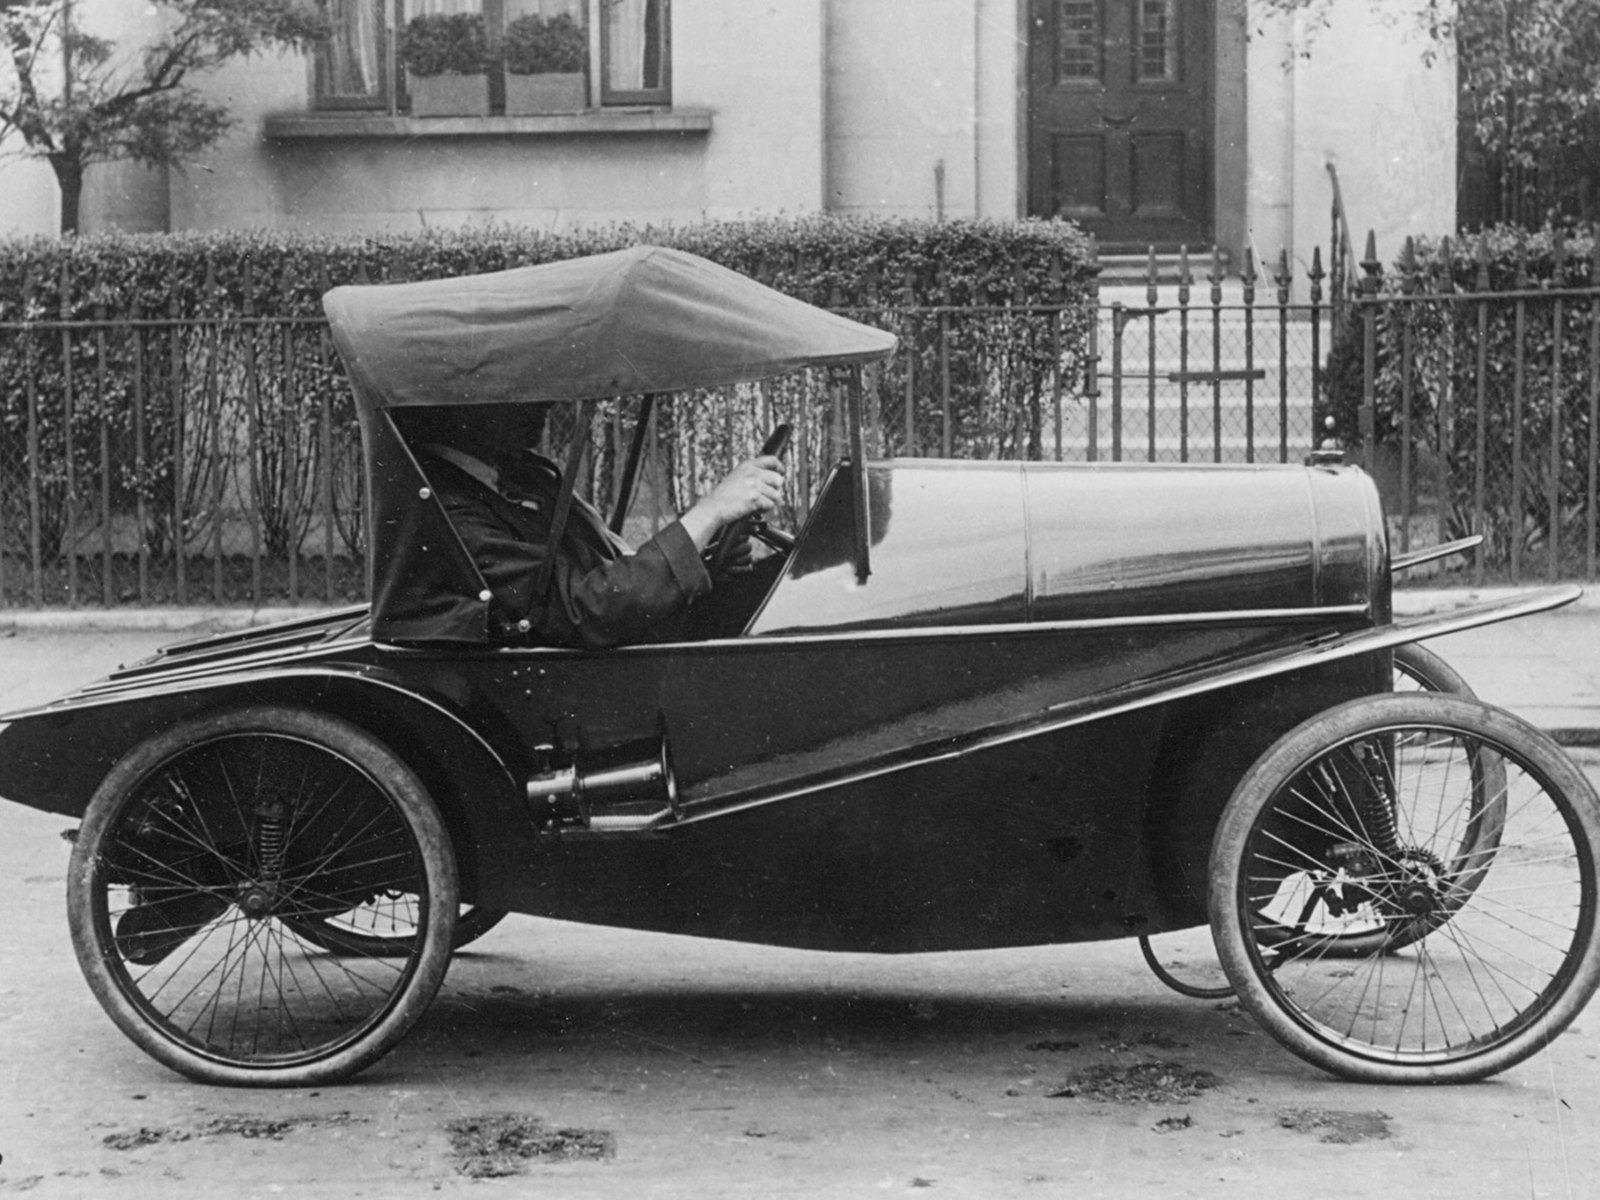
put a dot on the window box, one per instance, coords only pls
(553, 92)
(449, 95)
(365, 64)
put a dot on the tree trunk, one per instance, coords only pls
(69, 177)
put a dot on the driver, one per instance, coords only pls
(501, 496)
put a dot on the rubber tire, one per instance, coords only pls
(1429, 672)
(472, 922)
(1285, 761)
(100, 961)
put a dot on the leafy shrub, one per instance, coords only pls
(1478, 355)
(536, 45)
(445, 44)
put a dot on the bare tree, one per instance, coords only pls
(70, 97)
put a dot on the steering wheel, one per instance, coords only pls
(753, 526)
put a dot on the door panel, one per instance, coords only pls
(1120, 117)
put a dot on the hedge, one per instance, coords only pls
(829, 261)
(230, 400)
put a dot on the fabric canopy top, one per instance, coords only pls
(647, 319)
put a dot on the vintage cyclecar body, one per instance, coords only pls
(983, 704)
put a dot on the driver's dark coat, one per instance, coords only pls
(598, 596)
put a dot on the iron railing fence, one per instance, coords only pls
(217, 459)
(1477, 407)
(1210, 370)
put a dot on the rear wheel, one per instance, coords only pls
(206, 849)
(1484, 955)
(387, 924)
(1418, 669)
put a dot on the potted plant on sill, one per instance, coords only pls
(446, 57)
(545, 61)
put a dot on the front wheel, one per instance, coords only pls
(206, 850)
(1489, 955)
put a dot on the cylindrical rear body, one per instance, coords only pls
(957, 543)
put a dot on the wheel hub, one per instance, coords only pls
(257, 900)
(1417, 899)
(1417, 893)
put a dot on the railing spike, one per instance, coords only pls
(1408, 265)
(1371, 265)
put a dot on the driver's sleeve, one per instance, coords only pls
(594, 600)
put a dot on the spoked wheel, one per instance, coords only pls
(1488, 955)
(387, 925)
(1360, 930)
(209, 846)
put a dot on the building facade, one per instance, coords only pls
(1151, 122)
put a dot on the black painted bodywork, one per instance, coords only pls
(1019, 729)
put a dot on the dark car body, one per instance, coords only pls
(992, 741)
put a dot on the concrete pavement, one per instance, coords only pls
(723, 1070)
(1545, 667)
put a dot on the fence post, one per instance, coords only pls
(68, 455)
(1185, 290)
(1249, 284)
(1216, 354)
(1151, 296)
(289, 421)
(35, 500)
(1119, 319)
(1316, 274)
(180, 549)
(1480, 481)
(1558, 322)
(1593, 496)
(326, 356)
(1372, 280)
(1091, 383)
(211, 395)
(106, 590)
(1408, 289)
(140, 451)
(254, 430)
(1519, 379)
(1282, 279)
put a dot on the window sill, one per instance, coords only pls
(346, 124)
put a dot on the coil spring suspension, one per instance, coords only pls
(1376, 801)
(271, 830)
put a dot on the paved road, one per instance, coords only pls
(721, 1070)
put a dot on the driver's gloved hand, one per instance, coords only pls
(740, 560)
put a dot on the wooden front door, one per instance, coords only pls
(1120, 118)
